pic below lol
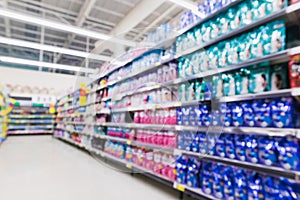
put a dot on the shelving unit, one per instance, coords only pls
(31, 115)
(3, 115)
(87, 125)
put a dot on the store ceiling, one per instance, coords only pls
(104, 16)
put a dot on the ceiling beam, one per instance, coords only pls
(42, 5)
(83, 13)
(110, 12)
(7, 25)
(51, 48)
(62, 27)
(138, 14)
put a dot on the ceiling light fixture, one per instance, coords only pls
(189, 5)
(59, 26)
(44, 64)
(50, 48)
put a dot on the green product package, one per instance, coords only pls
(181, 72)
(273, 6)
(234, 18)
(213, 56)
(179, 44)
(233, 55)
(198, 90)
(217, 86)
(278, 36)
(188, 68)
(257, 43)
(246, 13)
(205, 31)
(190, 92)
(189, 40)
(241, 81)
(204, 61)
(195, 63)
(182, 92)
(224, 24)
(255, 4)
(224, 48)
(279, 77)
(198, 36)
(259, 78)
(228, 84)
(215, 29)
(244, 47)
(266, 39)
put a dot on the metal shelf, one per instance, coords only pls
(74, 115)
(212, 129)
(254, 24)
(30, 116)
(29, 132)
(76, 123)
(263, 95)
(271, 170)
(30, 122)
(123, 140)
(271, 57)
(70, 141)
(180, 32)
(192, 191)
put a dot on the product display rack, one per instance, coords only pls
(67, 126)
(3, 116)
(277, 56)
(31, 115)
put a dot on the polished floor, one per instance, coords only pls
(44, 168)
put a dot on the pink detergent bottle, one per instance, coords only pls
(157, 163)
(173, 117)
(160, 138)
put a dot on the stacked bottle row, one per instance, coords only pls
(155, 161)
(225, 182)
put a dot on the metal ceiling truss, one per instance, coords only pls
(131, 14)
(83, 14)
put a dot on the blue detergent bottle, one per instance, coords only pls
(255, 187)
(240, 184)
(228, 183)
(218, 183)
(252, 149)
(289, 153)
(207, 178)
(240, 147)
(267, 150)
(249, 116)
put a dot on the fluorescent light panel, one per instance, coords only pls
(189, 5)
(44, 64)
(59, 26)
(50, 48)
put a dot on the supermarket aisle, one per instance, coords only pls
(39, 167)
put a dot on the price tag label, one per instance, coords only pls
(128, 142)
(157, 64)
(179, 128)
(102, 136)
(102, 155)
(178, 104)
(129, 166)
(177, 152)
(298, 134)
(179, 187)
